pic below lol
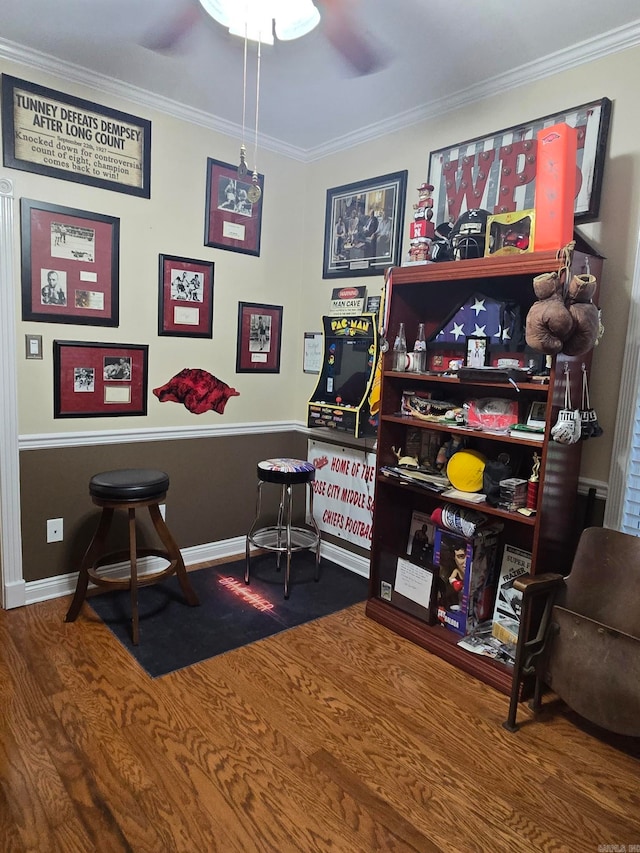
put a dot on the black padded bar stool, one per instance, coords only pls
(284, 538)
(129, 489)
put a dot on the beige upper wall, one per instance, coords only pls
(172, 222)
(614, 235)
(289, 270)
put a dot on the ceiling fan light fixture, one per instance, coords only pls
(255, 18)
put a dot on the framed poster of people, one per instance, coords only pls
(259, 338)
(498, 172)
(185, 297)
(70, 265)
(363, 226)
(233, 211)
(99, 379)
(61, 136)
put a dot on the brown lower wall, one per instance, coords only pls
(211, 496)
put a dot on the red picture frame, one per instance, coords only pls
(232, 221)
(259, 338)
(70, 265)
(99, 379)
(185, 297)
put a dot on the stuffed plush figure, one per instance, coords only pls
(549, 322)
(585, 315)
(198, 390)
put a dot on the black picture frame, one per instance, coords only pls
(232, 221)
(476, 350)
(185, 297)
(259, 338)
(80, 141)
(70, 265)
(358, 250)
(468, 174)
(92, 380)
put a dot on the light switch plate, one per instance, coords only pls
(33, 346)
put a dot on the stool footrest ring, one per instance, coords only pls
(275, 538)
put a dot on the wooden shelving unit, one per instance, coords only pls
(430, 294)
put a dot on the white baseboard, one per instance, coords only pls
(55, 587)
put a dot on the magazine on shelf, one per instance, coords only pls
(506, 613)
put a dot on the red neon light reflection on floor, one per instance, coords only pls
(258, 601)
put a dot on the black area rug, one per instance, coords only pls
(231, 614)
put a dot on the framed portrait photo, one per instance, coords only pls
(259, 338)
(185, 297)
(70, 265)
(233, 214)
(99, 379)
(476, 351)
(363, 226)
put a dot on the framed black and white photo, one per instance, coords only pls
(259, 338)
(70, 265)
(185, 297)
(363, 226)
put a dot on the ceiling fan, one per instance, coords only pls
(338, 20)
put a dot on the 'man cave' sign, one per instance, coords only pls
(343, 491)
(61, 136)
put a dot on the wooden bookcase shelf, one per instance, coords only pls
(430, 294)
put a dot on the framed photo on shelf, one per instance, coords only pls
(233, 214)
(92, 380)
(363, 226)
(476, 351)
(537, 415)
(471, 174)
(185, 297)
(259, 338)
(70, 265)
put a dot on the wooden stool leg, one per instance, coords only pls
(133, 581)
(92, 553)
(174, 554)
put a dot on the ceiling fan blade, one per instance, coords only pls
(169, 34)
(344, 33)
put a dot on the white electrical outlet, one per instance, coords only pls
(163, 511)
(54, 529)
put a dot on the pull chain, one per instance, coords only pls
(254, 191)
(242, 168)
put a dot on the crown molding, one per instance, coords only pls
(614, 41)
(589, 50)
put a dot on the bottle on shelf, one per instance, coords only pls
(419, 357)
(400, 350)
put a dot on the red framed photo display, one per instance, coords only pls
(99, 379)
(185, 297)
(232, 220)
(70, 265)
(259, 338)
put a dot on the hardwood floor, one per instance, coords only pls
(335, 736)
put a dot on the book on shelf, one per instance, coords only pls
(525, 431)
(470, 497)
(506, 613)
(432, 482)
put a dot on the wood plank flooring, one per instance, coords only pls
(334, 736)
